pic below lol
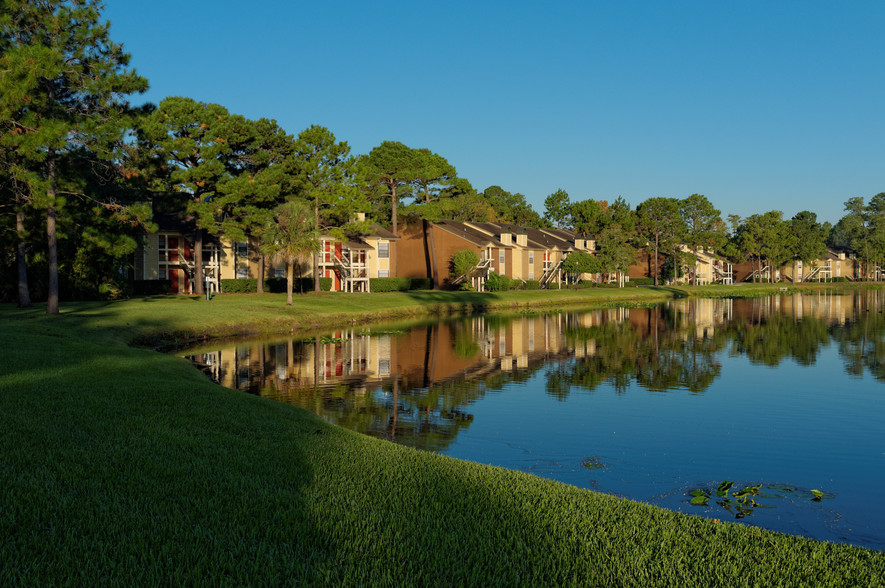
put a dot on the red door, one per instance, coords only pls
(173, 276)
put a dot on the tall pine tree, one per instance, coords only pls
(64, 81)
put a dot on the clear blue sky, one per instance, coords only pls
(756, 105)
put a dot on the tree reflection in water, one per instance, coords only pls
(417, 385)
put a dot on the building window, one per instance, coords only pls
(501, 259)
(280, 273)
(383, 273)
(531, 275)
(383, 249)
(531, 257)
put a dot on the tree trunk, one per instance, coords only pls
(260, 285)
(393, 209)
(656, 259)
(316, 272)
(290, 271)
(24, 292)
(51, 237)
(198, 262)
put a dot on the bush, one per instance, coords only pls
(583, 285)
(497, 282)
(239, 286)
(390, 284)
(276, 285)
(462, 262)
(532, 285)
(642, 281)
(279, 284)
(421, 284)
(151, 287)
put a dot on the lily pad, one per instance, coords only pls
(592, 463)
(723, 488)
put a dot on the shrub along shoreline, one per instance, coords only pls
(122, 465)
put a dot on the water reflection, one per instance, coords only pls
(665, 400)
(417, 385)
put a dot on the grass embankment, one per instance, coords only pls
(120, 465)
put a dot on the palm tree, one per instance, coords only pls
(290, 234)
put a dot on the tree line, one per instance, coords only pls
(82, 171)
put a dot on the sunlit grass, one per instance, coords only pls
(119, 465)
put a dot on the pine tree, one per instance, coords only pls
(64, 82)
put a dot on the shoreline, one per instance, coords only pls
(126, 465)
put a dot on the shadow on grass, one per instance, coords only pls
(676, 292)
(454, 302)
(132, 457)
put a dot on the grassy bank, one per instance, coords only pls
(120, 465)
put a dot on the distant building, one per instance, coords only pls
(520, 253)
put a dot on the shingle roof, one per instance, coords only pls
(469, 233)
(376, 230)
(489, 234)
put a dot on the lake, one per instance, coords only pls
(778, 403)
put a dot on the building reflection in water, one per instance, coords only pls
(417, 385)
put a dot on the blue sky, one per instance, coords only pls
(757, 105)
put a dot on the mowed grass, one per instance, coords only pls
(122, 466)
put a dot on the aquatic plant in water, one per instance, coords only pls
(743, 502)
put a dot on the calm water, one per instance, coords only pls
(646, 403)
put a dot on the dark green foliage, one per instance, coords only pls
(583, 285)
(274, 285)
(512, 208)
(662, 226)
(463, 262)
(497, 282)
(387, 173)
(239, 286)
(557, 209)
(581, 262)
(390, 284)
(532, 285)
(642, 281)
(64, 84)
(587, 216)
(399, 284)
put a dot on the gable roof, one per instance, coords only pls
(376, 230)
(469, 233)
(488, 234)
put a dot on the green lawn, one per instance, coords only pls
(120, 465)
